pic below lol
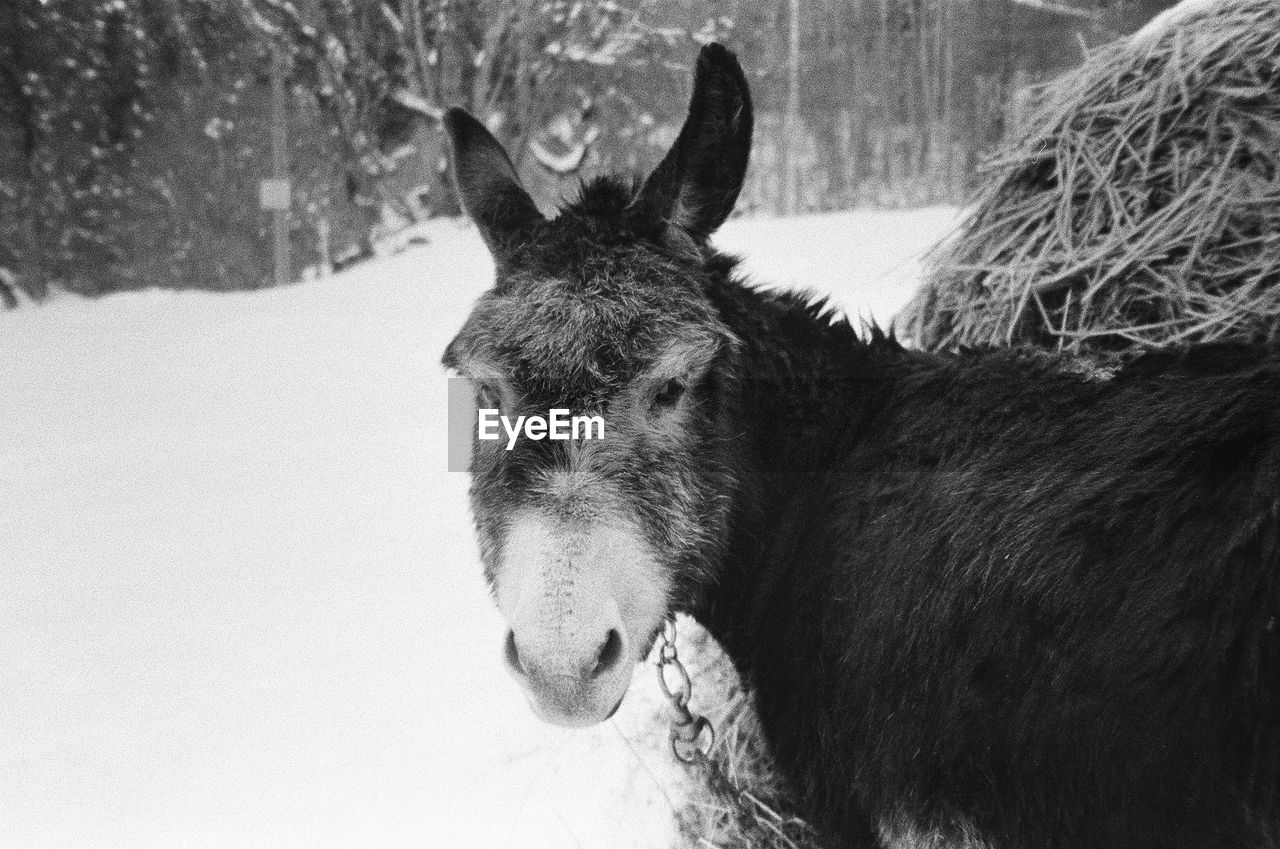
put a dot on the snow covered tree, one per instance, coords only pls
(134, 133)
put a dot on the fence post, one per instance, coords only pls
(280, 163)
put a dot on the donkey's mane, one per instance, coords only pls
(803, 313)
(606, 196)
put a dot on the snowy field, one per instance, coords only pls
(240, 604)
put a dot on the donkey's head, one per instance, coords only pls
(590, 545)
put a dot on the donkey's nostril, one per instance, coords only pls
(560, 663)
(513, 653)
(610, 653)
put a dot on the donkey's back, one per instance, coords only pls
(1042, 603)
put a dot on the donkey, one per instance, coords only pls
(984, 599)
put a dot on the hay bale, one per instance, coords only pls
(1139, 207)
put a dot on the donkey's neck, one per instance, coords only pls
(807, 386)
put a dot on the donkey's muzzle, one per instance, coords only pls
(573, 683)
(578, 597)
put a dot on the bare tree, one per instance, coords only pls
(792, 126)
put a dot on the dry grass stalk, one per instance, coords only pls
(1140, 206)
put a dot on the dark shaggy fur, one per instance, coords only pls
(995, 595)
(993, 591)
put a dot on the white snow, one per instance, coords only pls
(240, 604)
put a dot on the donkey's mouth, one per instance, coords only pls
(574, 710)
(572, 694)
(573, 700)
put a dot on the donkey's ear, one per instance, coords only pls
(695, 186)
(488, 185)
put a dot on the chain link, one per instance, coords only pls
(692, 736)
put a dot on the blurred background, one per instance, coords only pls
(135, 134)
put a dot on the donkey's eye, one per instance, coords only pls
(668, 394)
(486, 397)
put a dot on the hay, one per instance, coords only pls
(1140, 206)
(741, 801)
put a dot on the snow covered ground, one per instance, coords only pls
(240, 604)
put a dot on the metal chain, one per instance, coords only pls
(692, 736)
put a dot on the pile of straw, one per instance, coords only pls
(740, 801)
(1140, 206)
